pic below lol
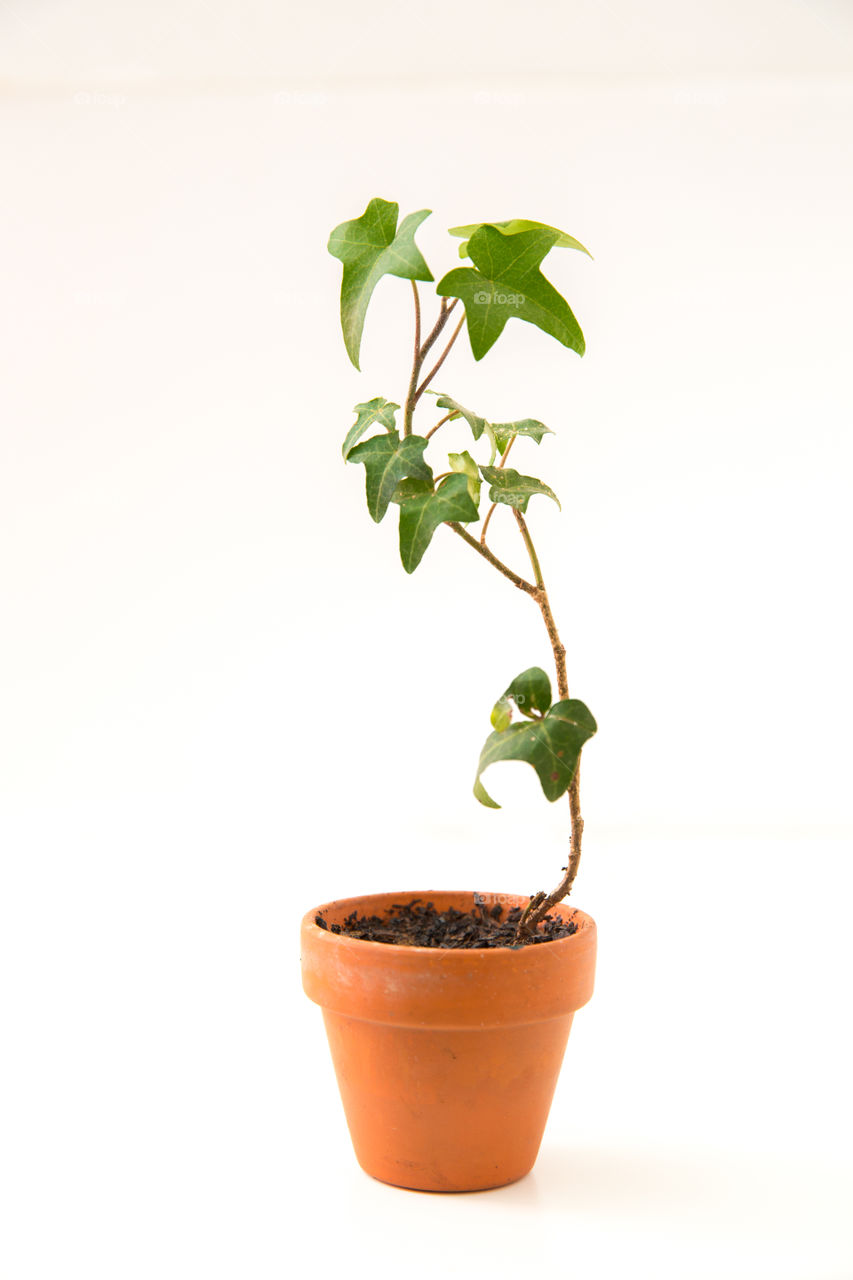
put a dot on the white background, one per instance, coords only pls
(222, 701)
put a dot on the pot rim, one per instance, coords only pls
(450, 987)
(584, 922)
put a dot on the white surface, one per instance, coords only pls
(175, 655)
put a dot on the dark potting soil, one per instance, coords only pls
(418, 924)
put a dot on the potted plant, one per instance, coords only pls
(448, 1012)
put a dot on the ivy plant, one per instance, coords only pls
(502, 281)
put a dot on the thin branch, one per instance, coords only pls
(445, 353)
(531, 550)
(491, 510)
(489, 514)
(512, 441)
(420, 353)
(515, 579)
(417, 361)
(557, 645)
(417, 318)
(435, 332)
(433, 430)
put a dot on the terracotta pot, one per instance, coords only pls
(446, 1059)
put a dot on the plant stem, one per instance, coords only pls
(541, 903)
(420, 354)
(417, 360)
(445, 353)
(417, 318)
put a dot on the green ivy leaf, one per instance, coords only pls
(422, 511)
(387, 460)
(507, 486)
(511, 227)
(466, 466)
(531, 691)
(504, 431)
(370, 247)
(551, 745)
(479, 426)
(475, 422)
(378, 410)
(505, 283)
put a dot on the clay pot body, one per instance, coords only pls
(446, 1059)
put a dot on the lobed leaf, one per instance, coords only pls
(507, 486)
(552, 745)
(388, 460)
(505, 283)
(370, 247)
(504, 431)
(422, 510)
(377, 410)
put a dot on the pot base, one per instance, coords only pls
(446, 1110)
